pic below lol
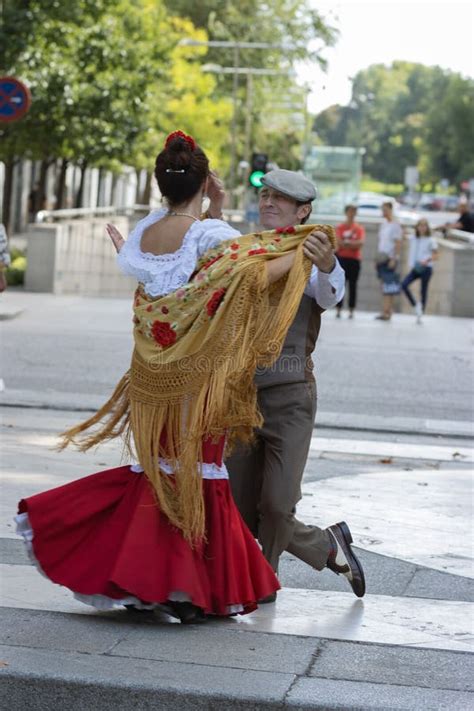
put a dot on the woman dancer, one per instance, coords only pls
(166, 531)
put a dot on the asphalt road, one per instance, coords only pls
(81, 346)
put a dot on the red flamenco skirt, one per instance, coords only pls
(104, 538)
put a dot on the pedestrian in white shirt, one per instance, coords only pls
(388, 257)
(423, 251)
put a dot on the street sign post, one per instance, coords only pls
(411, 176)
(15, 99)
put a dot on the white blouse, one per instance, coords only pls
(162, 273)
(421, 249)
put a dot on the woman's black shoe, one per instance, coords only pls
(188, 613)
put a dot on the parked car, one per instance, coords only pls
(451, 203)
(370, 205)
(431, 201)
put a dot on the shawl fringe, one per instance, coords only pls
(203, 385)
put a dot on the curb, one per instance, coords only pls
(89, 402)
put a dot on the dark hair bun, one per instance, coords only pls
(181, 168)
(176, 145)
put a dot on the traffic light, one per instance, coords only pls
(258, 168)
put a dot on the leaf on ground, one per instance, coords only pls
(3, 664)
(386, 460)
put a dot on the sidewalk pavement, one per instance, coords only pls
(402, 480)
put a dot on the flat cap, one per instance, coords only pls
(290, 183)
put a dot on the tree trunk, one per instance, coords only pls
(42, 188)
(99, 186)
(61, 184)
(7, 194)
(113, 192)
(80, 191)
(138, 173)
(146, 195)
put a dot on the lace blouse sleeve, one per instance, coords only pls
(131, 260)
(215, 232)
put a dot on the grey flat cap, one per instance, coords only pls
(295, 185)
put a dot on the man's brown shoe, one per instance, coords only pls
(342, 559)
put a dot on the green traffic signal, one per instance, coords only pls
(255, 178)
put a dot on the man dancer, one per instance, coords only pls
(266, 479)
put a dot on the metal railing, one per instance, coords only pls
(461, 236)
(76, 213)
(73, 213)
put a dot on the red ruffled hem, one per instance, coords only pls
(105, 535)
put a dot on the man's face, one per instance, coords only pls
(279, 210)
(387, 211)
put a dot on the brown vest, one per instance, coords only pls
(295, 364)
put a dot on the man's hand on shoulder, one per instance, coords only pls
(318, 249)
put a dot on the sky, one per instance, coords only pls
(425, 31)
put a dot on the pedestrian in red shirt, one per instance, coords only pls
(350, 236)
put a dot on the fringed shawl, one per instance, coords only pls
(192, 370)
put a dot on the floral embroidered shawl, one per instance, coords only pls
(192, 370)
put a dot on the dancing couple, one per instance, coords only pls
(211, 308)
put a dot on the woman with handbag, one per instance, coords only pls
(388, 257)
(423, 251)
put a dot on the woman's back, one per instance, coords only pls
(162, 251)
(165, 236)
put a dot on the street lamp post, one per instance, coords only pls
(235, 70)
(250, 72)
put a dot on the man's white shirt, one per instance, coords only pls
(326, 289)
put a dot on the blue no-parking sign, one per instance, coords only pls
(15, 99)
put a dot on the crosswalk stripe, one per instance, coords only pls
(400, 450)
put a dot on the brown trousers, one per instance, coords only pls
(266, 478)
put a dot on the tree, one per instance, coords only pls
(448, 138)
(405, 114)
(108, 81)
(298, 30)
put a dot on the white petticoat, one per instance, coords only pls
(208, 471)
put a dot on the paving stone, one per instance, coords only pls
(384, 575)
(121, 635)
(59, 631)
(326, 694)
(442, 586)
(43, 680)
(13, 552)
(214, 646)
(383, 664)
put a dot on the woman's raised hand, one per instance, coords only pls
(216, 194)
(115, 236)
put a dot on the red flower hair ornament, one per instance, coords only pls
(179, 134)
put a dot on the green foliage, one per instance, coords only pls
(297, 28)
(406, 114)
(15, 273)
(368, 185)
(285, 22)
(108, 82)
(16, 253)
(283, 146)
